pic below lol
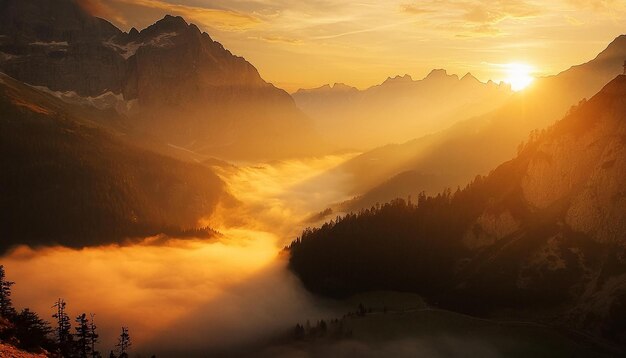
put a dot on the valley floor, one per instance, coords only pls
(401, 325)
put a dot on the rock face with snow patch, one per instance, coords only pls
(57, 45)
(191, 91)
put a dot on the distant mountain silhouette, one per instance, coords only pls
(67, 180)
(543, 233)
(399, 109)
(178, 84)
(454, 156)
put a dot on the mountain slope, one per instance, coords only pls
(178, 84)
(543, 233)
(398, 109)
(69, 182)
(454, 156)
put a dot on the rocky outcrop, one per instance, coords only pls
(566, 248)
(583, 161)
(57, 45)
(489, 228)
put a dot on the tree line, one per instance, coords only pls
(27, 331)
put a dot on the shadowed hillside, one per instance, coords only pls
(67, 182)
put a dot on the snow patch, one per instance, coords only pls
(163, 40)
(125, 51)
(105, 101)
(6, 56)
(50, 44)
(130, 49)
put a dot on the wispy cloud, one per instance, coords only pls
(279, 39)
(221, 19)
(603, 5)
(362, 41)
(415, 9)
(100, 9)
(473, 16)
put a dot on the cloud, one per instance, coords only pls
(473, 16)
(220, 19)
(414, 9)
(497, 11)
(279, 39)
(186, 298)
(602, 5)
(100, 9)
(180, 299)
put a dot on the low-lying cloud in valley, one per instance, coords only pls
(185, 297)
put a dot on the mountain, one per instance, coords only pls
(66, 179)
(540, 238)
(177, 84)
(454, 156)
(399, 109)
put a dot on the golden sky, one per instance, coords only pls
(308, 43)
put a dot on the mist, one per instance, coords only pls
(187, 297)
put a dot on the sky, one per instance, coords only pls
(307, 43)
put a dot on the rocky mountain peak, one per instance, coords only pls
(437, 74)
(343, 87)
(469, 78)
(617, 48)
(615, 88)
(169, 23)
(399, 79)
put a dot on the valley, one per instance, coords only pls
(328, 179)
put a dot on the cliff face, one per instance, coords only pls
(57, 45)
(578, 168)
(565, 243)
(184, 88)
(174, 55)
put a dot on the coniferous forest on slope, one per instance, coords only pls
(421, 245)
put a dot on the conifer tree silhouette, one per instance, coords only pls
(82, 336)
(6, 306)
(93, 337)
(63, 328)
(123, 343)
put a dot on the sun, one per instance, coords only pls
(518, 75)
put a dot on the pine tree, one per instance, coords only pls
(82, 335)
(32, 332)
(6, 306)
(123, 343)
(63, 328)
(93, 337)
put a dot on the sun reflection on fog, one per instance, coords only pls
(157, 284)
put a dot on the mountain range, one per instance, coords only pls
(173, 81)
(399, 109)
(454, 156)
